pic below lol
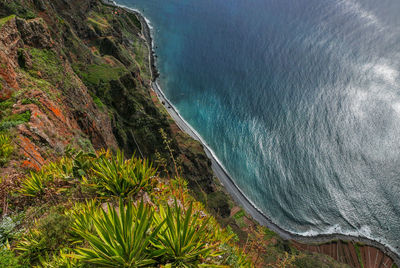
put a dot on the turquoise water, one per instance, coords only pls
(299, 99)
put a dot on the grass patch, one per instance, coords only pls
(14, 120)
(99, 23)
(98, 19)
(47, 70)
(30, 101)
(239, 215)
(49, 236)
(46, 63)
(33, 83)
(5, 105)
(5, 19)
(95, 74)
(8, 258)
(142, 58)
(268, 234)
(98, 103)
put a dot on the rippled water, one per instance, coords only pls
(299, 99)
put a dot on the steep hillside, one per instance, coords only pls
(85, 74)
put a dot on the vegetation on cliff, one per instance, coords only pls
(81, 223)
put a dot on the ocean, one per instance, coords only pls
(299, 100)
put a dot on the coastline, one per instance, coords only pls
(220, 172)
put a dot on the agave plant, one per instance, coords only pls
(122, 177)
(82, 215)
(82, 163)
(60, 260)
(61, 169)
(6, 148)
(184, 238)
(120, 237)
(31, 246)
(34, 185)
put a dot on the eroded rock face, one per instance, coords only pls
(61, 113)
(34, 33)
(10, 43)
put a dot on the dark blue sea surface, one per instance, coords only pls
(299, 99)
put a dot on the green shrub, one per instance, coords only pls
(121, 237)
(122, 177)
(5, 19)
(22, 117)
(6, 149)
(268, 234)
(35, 184)
(86, 145)
(55, 228)
(184, 239)
(8, 258)
(50, 234)
(61, 170)
(239, 214)
(30, 101)
(7, 104)
(14, 120)
(82, 219)
(8, 229)
(31, 247)
(98, 103)
(82, 163)
(235, 257)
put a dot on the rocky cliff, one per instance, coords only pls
(83, 75)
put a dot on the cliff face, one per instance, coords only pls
(83, 74)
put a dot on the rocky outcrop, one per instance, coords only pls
(10, 42)
(61, 113)
(34, 33)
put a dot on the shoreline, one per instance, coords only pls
(220, 172)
